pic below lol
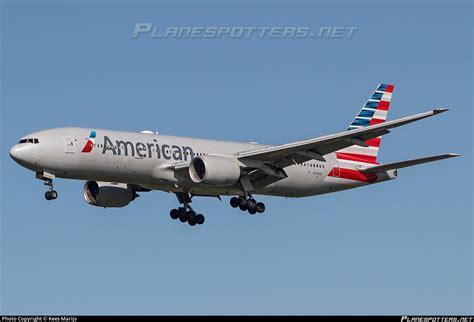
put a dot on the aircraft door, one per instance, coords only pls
(69, 144)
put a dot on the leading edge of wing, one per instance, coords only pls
(338, 140)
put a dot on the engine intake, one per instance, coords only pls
(214, 170)
(108, 194)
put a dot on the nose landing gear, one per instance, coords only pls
(48, 177)
(51, 194)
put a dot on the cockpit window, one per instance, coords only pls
(34, 141)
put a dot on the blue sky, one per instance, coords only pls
(402, 247)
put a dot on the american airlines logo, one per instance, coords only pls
(90, 142)
(147, 149)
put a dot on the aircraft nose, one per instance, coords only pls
(16, 153)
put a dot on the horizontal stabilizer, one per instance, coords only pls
(407, 163)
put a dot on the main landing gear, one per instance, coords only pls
(186, 213)
(247, 204)
(51, 194)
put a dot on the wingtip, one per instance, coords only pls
(453, 155)
(440, 110)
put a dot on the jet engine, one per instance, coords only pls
(108, 194)
(214, 170)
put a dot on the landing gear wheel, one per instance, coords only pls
(51, 195)
(234, 202)
(242, 202)
(260, 207)
(243, 207)
(252, 211)
(183, 215)
(251, 204)
(54, 194)
(192, 221)
(174, 214)
(200, 219)
(186, 213)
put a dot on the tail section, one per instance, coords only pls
(374, 112)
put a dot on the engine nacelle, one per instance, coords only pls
(108, 194)
(214, 170)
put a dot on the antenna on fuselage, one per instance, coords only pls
(149, 132)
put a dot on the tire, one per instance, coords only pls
(242, 202)
(47, 195)
(183, 217)
(251, 204)
(53, 194)
(243, 207)
(234, 202)
(174, 214)
(192, 222)
(260, 207)
(252, 211)
(191, 214)
(200, 219)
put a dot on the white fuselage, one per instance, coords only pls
(144, 159)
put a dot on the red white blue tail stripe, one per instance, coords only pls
(374, 112)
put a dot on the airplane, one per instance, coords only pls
(117, 165)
